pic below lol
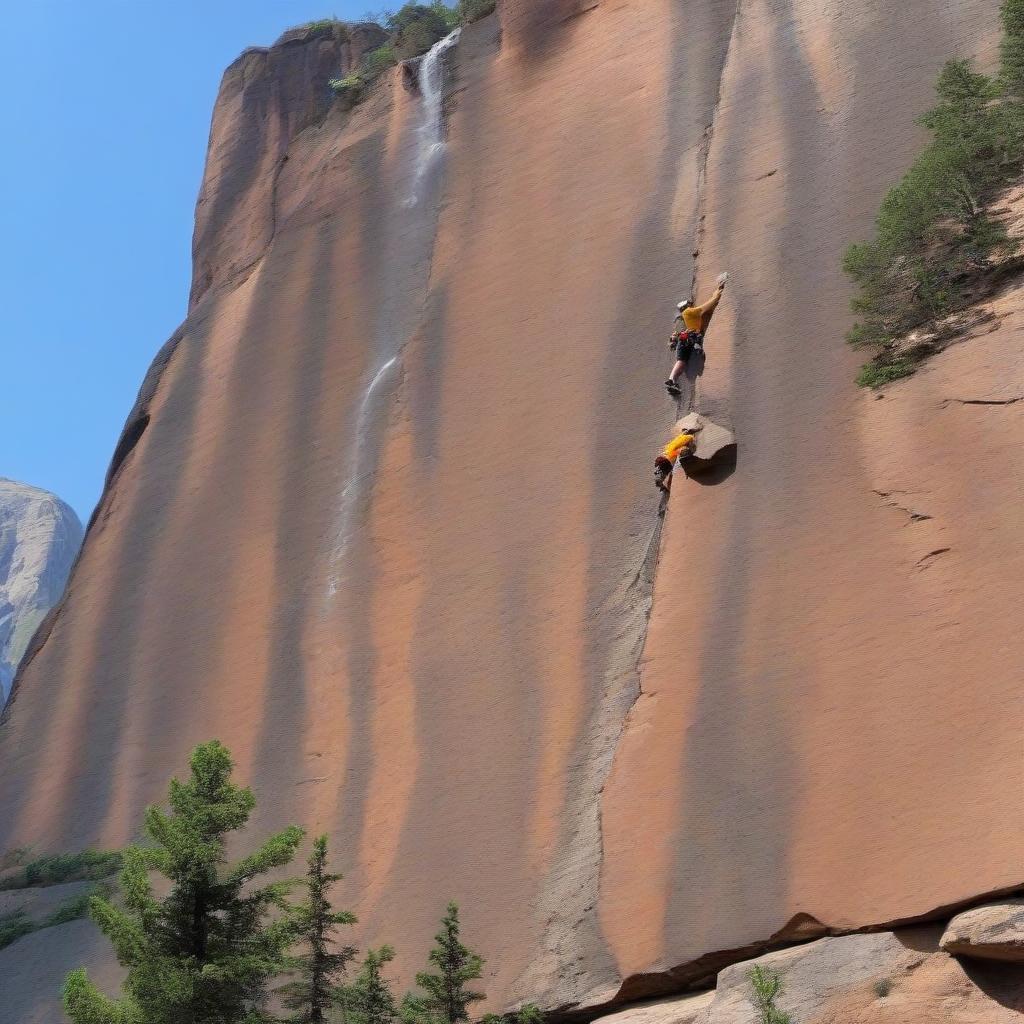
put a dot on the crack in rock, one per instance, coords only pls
(983, 401)
(915, 516)
(925, 560)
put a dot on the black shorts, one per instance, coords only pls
(662, 468)
(685, 345)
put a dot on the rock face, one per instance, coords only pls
(266, 98)
(382, 519)
(992, 932)
(39, 539)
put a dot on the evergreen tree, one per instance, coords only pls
(319, 970)
(446, 998)
(206, 953)
(369, 999)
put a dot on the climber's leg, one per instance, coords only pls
(662, 474)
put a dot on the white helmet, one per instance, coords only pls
(685, 304)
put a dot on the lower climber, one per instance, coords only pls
(680, 447)
(691, 325)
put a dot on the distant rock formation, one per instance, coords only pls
(39, 538)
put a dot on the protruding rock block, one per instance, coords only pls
(716, 445)
(992, 932)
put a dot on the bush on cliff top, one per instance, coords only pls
(932, 232)
(413, 29)
(327, 27)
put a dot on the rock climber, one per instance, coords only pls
(688, 337)
(680, 447)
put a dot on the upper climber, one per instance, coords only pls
(691, 324)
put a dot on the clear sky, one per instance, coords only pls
(107, 108)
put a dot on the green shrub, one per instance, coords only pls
(349, 84)
(883, 987)
(417, 27)
(473, 10)
(376, 62)
(372, 66)
(18, 924)
(879, 372)
(75, 908)
(70, 867)
(324, 26)
(14, 926)
(766, 983)
(932, 232)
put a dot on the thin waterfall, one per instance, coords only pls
(360, 469)
(431, 131)
(408, 238)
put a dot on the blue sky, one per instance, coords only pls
(107, 109)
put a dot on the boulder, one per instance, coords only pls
(992, 932)
(878, 978)
(715, 443)
(688, 1009)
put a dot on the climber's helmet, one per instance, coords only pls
(685, 304)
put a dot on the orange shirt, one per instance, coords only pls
(697, 318)
(678, 444)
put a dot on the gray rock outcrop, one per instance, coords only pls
(715, 443)
(992, 932)
(39, 538)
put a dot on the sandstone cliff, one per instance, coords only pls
(39, 539)
(382, 519)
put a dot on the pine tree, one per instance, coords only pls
(369, 999)
(318, 985)
(446, 999)
(206, 953)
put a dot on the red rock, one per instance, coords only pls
(622, 759)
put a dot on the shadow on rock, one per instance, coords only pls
(713, 471)
(695, 366)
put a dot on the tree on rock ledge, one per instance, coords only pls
(206, 953)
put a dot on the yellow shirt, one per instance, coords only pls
(697, 318)
(676, 445)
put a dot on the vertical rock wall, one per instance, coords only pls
(432, 607)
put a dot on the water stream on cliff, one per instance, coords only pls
(407, 237)
(361, 467)
(431, 130)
